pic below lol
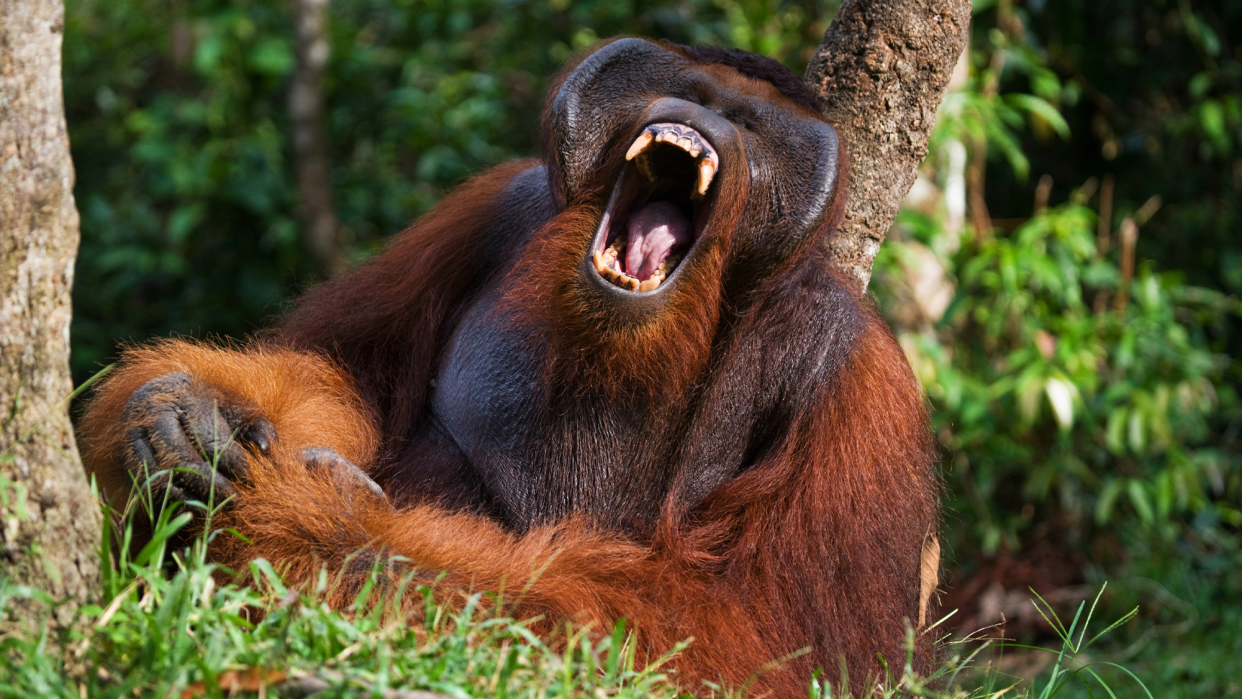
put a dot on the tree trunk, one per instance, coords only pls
(880, 74)
(50, 528)
(310, 142)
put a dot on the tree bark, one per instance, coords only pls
(49, 522)
(310, 142)
(880, 74)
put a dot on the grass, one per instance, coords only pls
(161, 634)
(166, 627)
(1188, 643)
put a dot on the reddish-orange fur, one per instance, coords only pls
(815, 545)
(716, 578)
(310, 400)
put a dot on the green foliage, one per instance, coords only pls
(1152, 93)
(1096, 412)
(1070, 665)
(156, 633)
(180, 133)
(178, 141)
(1189, 635)
(166, 625)
(1056, 405)
(1064, 391)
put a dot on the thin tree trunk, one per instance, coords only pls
(50, 528)
(310, 142)
(880, 73)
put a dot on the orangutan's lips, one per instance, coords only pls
(657, 208)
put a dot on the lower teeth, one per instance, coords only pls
(608, 266)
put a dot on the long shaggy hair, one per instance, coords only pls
(780, 432)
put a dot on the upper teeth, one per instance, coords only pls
(684, 138)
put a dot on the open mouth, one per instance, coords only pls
(658, 209)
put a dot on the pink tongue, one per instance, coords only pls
(654, 231)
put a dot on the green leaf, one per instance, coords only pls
(1198, 29)
(1212, 119)
(1104, 506)
(1135, 432)
(1140, 500)
(272, 56)
(162, 534)
(262, 571)
(1043, 109)
(183, 221)
(208, 53)
(1200, 84)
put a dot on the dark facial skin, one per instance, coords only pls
(781, 157)
(552, 391)
(546, 446)
(641, 341)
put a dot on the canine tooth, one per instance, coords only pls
(649, 284)
(640, 144)
(598, 259)
(707, 170)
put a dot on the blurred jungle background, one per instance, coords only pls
(1065, 276)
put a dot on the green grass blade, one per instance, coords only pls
(1128, 616)
(153, 551)
(1091, 613)
(1131, 674)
